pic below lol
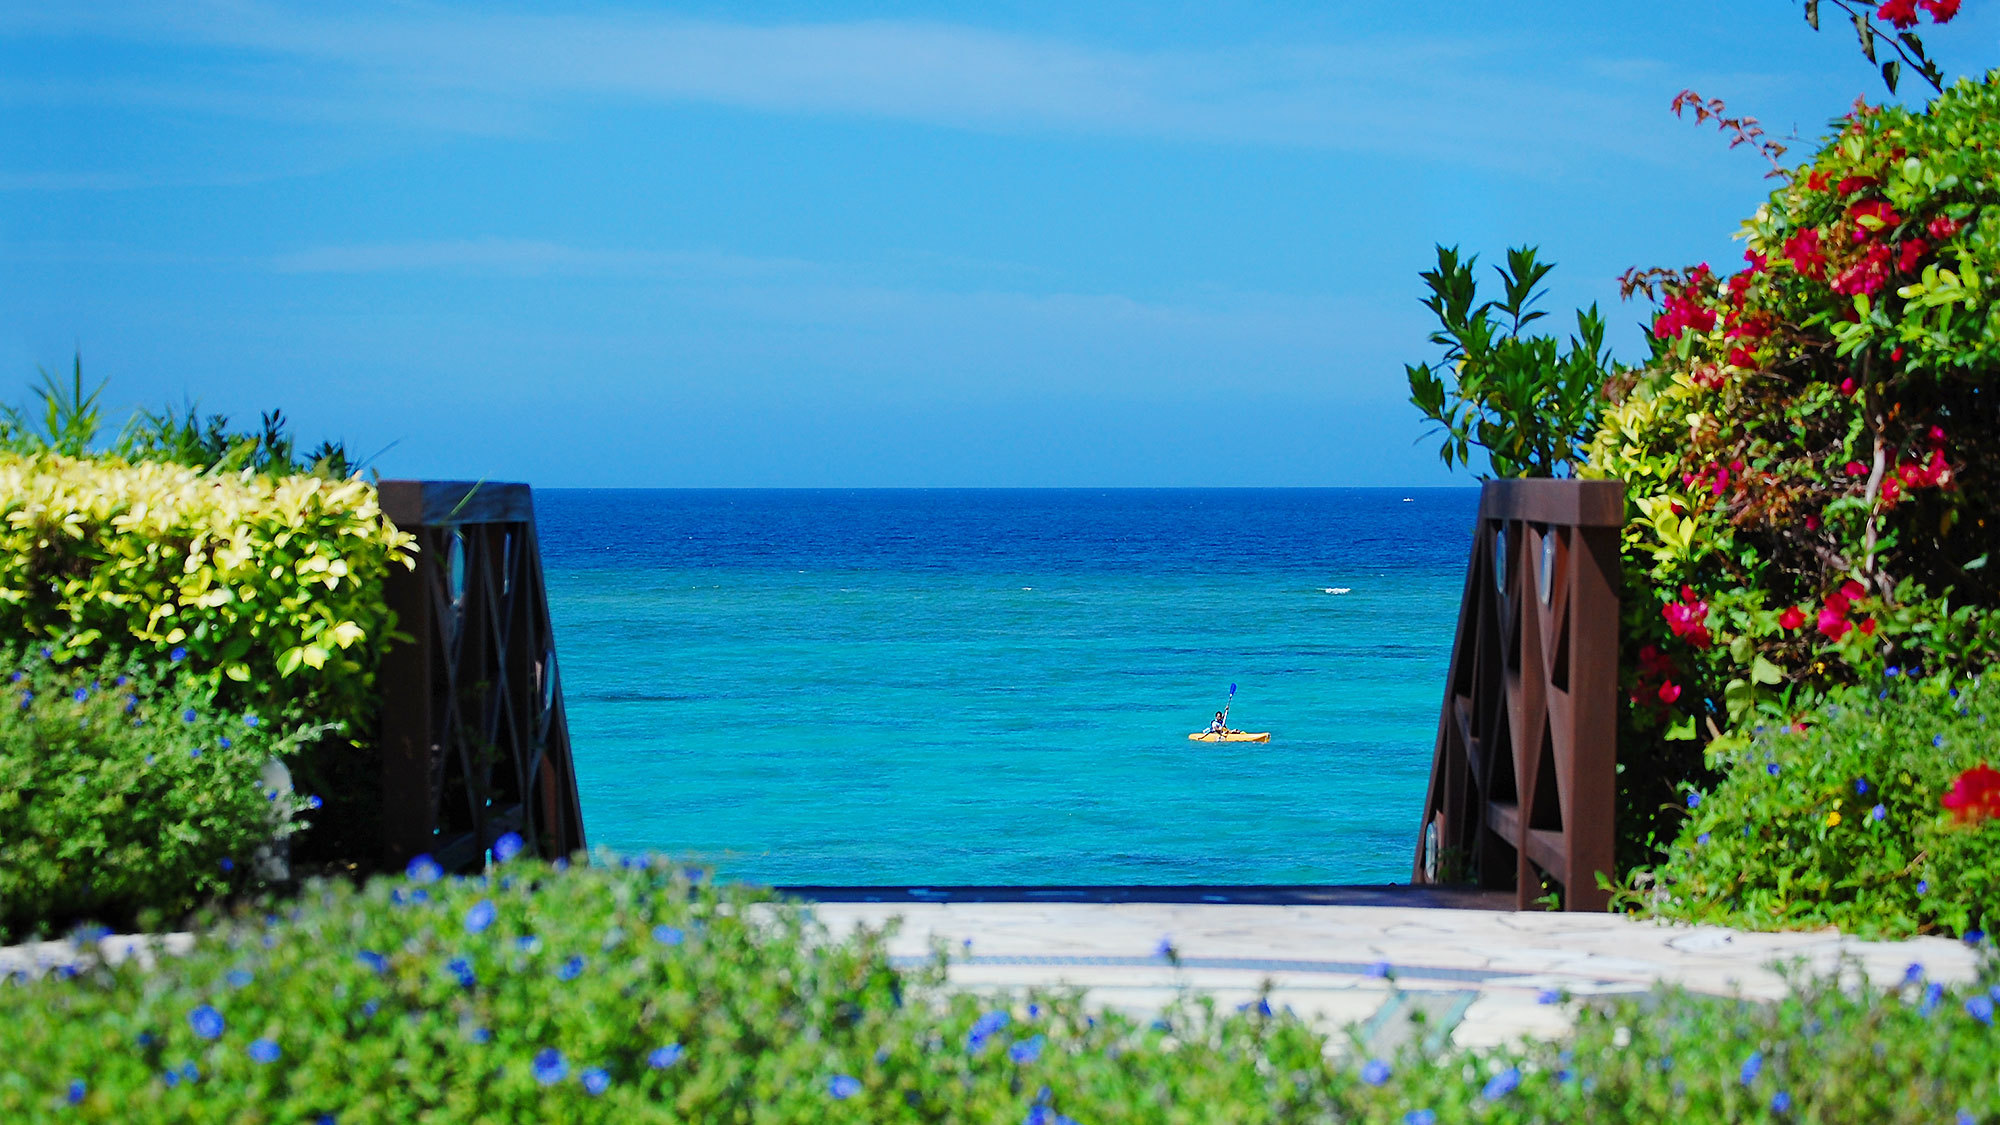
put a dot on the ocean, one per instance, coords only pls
(996, 686)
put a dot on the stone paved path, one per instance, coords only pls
(1480, 977)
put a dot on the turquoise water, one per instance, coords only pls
(996, 687)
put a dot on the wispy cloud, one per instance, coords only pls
(477, 70)
(516, 257)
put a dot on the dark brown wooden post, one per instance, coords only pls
(1524, 769)
(474, 743)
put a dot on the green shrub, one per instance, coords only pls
(269, 586)
(120, 794)
(1840, 823)
(1812, 458)
(633, 994)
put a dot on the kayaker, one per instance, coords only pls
(1218, 727)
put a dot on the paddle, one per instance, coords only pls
(1227, 704)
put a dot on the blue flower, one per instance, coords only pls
(188, 715)
(663, 1057)
(1914, 973)
(1165, 950)
(373, 960)
(1752, 1066)
(77, 1090)
(1694, 800)
(1861, 786)
(1502, 1084)
(206, 1022)
(1420, 1117)
(1933, 995)
(1701, 839)
(462, 969)
(1375, 1073)
(507, 847)
(226, 863)
(194, 752)
(314, 802)
(190, 1072)
(170, 1078)
(480, 917)
(596, 1080)
(1879, 812)
(528, 943)
(249, 720)
(571, 969)
(667, 935)
(1923, 886)
(239, 978)
(984, 1028)
(424, 869)
(1039, 1114)
(1781, 1102)
(264, 1051)
(131, 704)
(1981, 1009)
(224, 740)
(549, 1066)
(843, 1086)
(482, 1035)
(179, 654)
(80, 694)
(1974, 937)
(1772, 769)
(1026, 1051)
(1892, 671)
(1938, 741)
(370, 1008)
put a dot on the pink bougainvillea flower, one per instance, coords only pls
(1868, 626)
(1974, 795)
(1896, 355)
(1892, 490)
(1940, 10)
(1792, 618)
(1936, 436)
(1812, 523)
(1851, 184)
(1757, 261)
(1687, 617)
(1901, 13)
(1914, 249)
(1833, 625)
(1804, 252)
(1669, 692)
(1853, 591)
(1944, 227)
(1912, 474)
(1937, 470)
(1817, 181)
(1848, 386)
(1856, 469)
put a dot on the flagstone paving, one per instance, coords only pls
(1479, 977)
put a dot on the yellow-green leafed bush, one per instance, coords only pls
(268, 586)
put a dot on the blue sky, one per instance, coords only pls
(854, 244)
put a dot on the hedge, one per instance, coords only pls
(638, 992)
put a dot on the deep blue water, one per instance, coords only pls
(995, 686)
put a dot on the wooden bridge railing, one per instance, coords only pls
(1524, 773)
(474, 739)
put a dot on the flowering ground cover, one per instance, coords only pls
(636, 992)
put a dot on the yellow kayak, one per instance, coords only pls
(1231, 736)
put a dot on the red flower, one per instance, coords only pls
(1912, 474)
(1911, 251)
(1940, 10)
(1875, 214)
(1803, 250)
(1891, 489)
(1896, 354)
(1683, 312)
(1853, 591)
(1791, 618)
(1812, 523)
(1868, 627)
(1865, 275)
(1686, 617)
(1669, 692)
(1653, 662)
(1833, 625)
(1902, 13)
(1943, 227)
(1817, 181)
(1937, 437)
(1847, 386)
(1852, 184)
(1974, 795)
(1757, 261)
(1936, 471)
(1856, 469)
